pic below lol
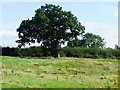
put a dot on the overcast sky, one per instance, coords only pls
(98, 17)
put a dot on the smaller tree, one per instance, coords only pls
(88, 40)
(92, 40)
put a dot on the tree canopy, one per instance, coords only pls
(51, 26)
(92, 40)
(74, 43)
(88, 40)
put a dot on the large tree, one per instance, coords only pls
(51, 26)
(74, 43)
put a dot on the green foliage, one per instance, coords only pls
(88, 40)
(7, 51)
(33, 51)
(74, 43)
(81, 52)
(92, 40)
(50, 27)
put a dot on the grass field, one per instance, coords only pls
(59, 73)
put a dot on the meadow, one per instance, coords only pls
(60, 72)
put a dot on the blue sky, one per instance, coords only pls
(98, 17)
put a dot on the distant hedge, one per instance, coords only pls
(83, 52)
(22, 52)
(80, 52)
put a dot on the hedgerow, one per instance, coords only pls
(80, 52)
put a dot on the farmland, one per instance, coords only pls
(60, 72)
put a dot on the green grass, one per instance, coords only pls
(58, 73)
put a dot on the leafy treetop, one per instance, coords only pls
(50, 26)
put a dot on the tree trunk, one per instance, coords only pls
(55, 53)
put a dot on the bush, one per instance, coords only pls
(22, 52)
(7, 51)
(35, 51)
(83, 52)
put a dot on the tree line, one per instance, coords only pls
(80, 52)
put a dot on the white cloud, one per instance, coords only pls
(8, 38)
(8, 34)
(106, 30)
(8, 29)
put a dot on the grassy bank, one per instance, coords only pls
(59, 73)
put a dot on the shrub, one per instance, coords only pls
(83, 52)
